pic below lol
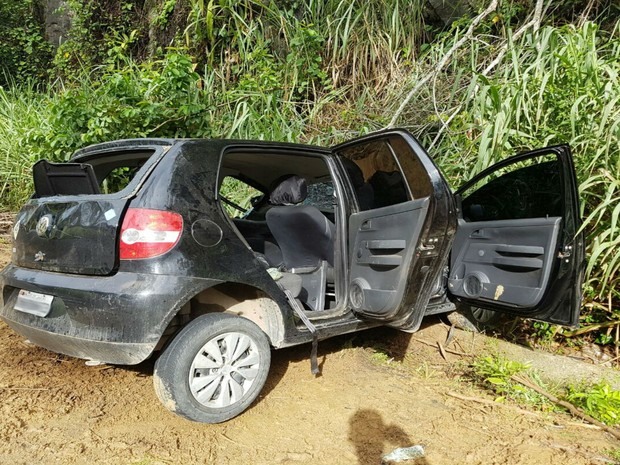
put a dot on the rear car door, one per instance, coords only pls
(400, 229)
(518, 247)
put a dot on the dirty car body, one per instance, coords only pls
(134, 248)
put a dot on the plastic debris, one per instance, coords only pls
(402, 454)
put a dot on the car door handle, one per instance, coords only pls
(517, 262)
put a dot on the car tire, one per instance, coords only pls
(483, 318)
(213, 369)
(475, 319)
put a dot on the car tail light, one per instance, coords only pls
(148, 233)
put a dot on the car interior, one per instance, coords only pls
(290, 224)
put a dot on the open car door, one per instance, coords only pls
(517, 247)
(400, 232)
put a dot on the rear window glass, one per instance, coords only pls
(321, 196)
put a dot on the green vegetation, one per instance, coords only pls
(322, 72)
(599, 400)
(497, 373)
(24, 53)
(614, 454)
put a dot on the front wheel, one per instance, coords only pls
(476, 319)
(213, 369)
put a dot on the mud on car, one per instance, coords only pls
(134, 249)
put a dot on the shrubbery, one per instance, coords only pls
(24, 53)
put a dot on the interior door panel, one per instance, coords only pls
(381, 243)
(505, 261)
(400, 223)
(518, 246)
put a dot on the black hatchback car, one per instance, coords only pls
(133, 248)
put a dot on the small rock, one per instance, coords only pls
(462, 322)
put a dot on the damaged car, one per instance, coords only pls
(134, 249)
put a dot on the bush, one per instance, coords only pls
(24, 53)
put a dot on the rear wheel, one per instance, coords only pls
(213, 369)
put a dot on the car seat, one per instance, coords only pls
(364, 192)
(305, 236)
(389, 188)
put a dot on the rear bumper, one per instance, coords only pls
(118, 353)
(117, 319)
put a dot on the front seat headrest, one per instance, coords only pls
(354, 171)
(290, 191)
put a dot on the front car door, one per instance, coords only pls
(517, 247)
(400, 227)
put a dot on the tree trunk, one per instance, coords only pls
(57, 21)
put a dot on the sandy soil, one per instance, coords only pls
(56, 410)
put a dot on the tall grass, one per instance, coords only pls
(21, 111)
(355, 43)
(556, 85)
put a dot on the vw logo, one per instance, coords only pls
(43, 226)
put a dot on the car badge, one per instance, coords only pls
(43, 226)
(39, 256)
(16, 230)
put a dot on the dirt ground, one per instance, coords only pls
(56, 410)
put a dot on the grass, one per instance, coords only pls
(21, 111)
(381, 358)
(613, 454)
(556, 85)
(495, 372)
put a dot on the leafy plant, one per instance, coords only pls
(24, 52)
(495, 372)
(600, 401)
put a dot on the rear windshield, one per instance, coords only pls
(104, 173)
